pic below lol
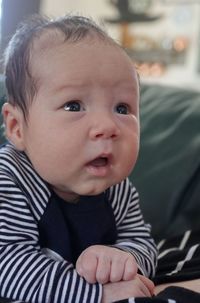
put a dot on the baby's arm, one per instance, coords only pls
(27, 274)
(133, 234)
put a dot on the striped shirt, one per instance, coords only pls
(27, 272)
(179, 258)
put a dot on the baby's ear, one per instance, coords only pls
(14, 123)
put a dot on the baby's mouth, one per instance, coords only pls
(99, 162)
(100, 166)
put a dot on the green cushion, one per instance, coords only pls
(167, 173)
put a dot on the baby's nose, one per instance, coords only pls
(104, 126)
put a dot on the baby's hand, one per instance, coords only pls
(140, 286)
(103, 264)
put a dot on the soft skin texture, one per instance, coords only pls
(104, 264)
(82, 134)
(140, 286)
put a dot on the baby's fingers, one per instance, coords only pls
(103, 270)
(130, 269)
(117, 270)
(148, 283)
(86, 267)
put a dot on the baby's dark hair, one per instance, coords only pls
(20, 83)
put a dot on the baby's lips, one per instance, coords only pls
(101, 161)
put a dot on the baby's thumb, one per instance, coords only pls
(79, 267)
(148, 283)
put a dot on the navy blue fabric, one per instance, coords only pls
(72, 227)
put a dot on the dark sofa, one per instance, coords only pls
(167, 174)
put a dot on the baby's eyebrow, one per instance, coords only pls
(77, 84)
(69, 86)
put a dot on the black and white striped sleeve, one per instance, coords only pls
(133, 234)
(26, 273)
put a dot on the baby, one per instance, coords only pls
(70, 222)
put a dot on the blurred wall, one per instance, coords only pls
(88, 7)
(14, 11)
(97, 9)
(180, 19)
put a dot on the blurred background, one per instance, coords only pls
(161, 36)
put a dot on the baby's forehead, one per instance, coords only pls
(50, 40)
(47, 39)
(53, 53)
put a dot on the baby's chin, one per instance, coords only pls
(98, 188)
(94, 188)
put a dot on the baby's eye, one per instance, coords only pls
(73, 106)
(122, 109)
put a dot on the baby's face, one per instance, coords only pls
(82, 134)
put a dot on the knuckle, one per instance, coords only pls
(102, 278)
(115, 278)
